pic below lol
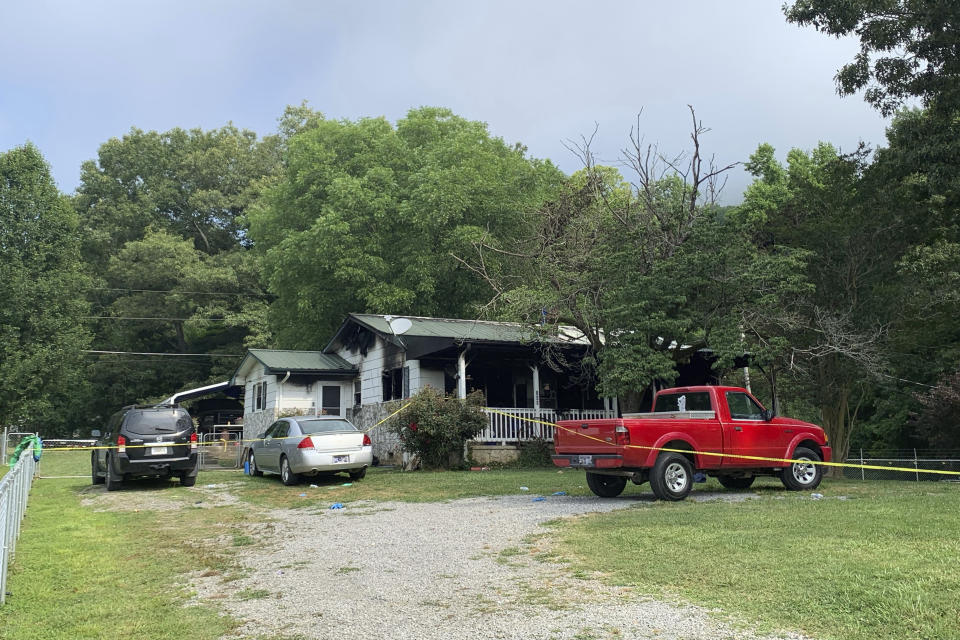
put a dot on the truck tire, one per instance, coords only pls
(672, 476)
(737, 483)
(606, 486)
(801, 476)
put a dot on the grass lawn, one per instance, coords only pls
(81, 574)
(868, 560)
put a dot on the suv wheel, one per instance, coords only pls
(94, 476)
(112, 481)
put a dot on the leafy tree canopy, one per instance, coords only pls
(908, 48)
(368, 214)
(195, 184)
(42, 285)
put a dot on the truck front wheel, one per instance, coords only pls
(671, 477)
(606, 486)
(803, 474)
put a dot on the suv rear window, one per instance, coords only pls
(147, 422)
(697, 401)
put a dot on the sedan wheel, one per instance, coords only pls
(254, 470)
(287, 476)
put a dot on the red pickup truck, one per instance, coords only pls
(721, 431)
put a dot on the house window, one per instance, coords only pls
(396, 384)
(259, 396)
(357, 397)
(330, 401)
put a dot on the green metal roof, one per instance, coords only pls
(300, 361)
(466, 330)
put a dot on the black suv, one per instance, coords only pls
(155, 441)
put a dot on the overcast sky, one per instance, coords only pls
(538, 72)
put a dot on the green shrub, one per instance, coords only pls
(534, 454)
(435, 427)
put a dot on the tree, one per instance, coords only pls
(42, 286)
(823, 203)
(908, 48)
(650, 272)
(164, 228)
(368, 214)
(195, 184)
(165, 296)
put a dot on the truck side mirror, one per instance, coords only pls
(768, 415)
(95, 433)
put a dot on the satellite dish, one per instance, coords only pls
(400, 326)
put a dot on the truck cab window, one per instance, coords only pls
(697, 401)
(742, 407)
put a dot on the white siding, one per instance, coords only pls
(429, 378)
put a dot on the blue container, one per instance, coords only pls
(246, 467)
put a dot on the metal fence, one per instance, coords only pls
(221, 449)
(14, 490)
(915, 460)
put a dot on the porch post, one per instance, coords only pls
(536, 387)
(462, 375)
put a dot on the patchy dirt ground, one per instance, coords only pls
(478, 567)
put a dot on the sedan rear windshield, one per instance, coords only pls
(148, 422)
(697, 401)
(325, 426)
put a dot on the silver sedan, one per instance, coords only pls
(310, 446)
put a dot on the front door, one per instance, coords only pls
(749, 433)
(330, 401)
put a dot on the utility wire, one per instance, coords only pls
(133, 318)
(171, 355)
(199, 293)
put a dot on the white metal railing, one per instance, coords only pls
(511, 424)
(14, 491)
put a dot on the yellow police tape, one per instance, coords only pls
(731, 455)
(846, 465)
(214, 443)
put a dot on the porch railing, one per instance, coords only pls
(514, 424)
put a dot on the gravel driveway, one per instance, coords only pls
(432, 571)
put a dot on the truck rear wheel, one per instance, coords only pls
(671, 477)
(802, 475)
(606, 486)
(733, 482)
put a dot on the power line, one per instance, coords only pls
(133, 318)
(170, 355)
(198, 293)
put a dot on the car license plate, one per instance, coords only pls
(159, 451)
(341, 459)
(585, 461)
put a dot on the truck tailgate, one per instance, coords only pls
(587, 436)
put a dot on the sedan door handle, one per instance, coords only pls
(788, 430)
(738, 428)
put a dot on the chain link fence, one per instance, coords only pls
(916, 460)
(14, 490)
